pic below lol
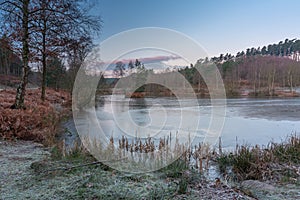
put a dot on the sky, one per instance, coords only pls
(219, 26)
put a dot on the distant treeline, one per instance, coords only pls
(260, 70)
(10, 63)
(261, 75)
(57, 75)
(288, 48)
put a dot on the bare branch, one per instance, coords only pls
(11, 3)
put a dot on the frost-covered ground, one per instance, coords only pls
(26, 172)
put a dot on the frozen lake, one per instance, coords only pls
(251, 121)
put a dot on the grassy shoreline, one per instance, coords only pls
(51, 173)
(278, 162)
(44, 173)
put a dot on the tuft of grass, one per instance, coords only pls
(56, 153)
(183, 186)
(175, 169)
(224, 162)
(288, 152)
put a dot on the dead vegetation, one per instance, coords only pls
(279, 162)
(38, 122)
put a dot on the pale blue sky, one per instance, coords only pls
(220, 26)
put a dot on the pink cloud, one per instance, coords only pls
(146, 60)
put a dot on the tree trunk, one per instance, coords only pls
(44, 79)
(21, 90)
(273, 80)
(259, 82)
(44, 68)
(44, 55)
(269, 83)
(254, 84)
(290, 80)
(6, 57)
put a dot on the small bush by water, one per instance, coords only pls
(278, 162)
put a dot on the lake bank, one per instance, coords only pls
(42, 173)
(36, 175)
(270, 172)
(37, 172)
(243, 91)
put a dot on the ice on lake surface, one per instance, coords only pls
(252, 121)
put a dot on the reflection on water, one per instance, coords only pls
(154, 117)
(252, 121)
(99, 101)
(141, 107)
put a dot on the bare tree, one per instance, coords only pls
(10, 63)
(119, 69)
(17, 14)
(77, 50)
(42, 28)
(59, 26)
(5, 55)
